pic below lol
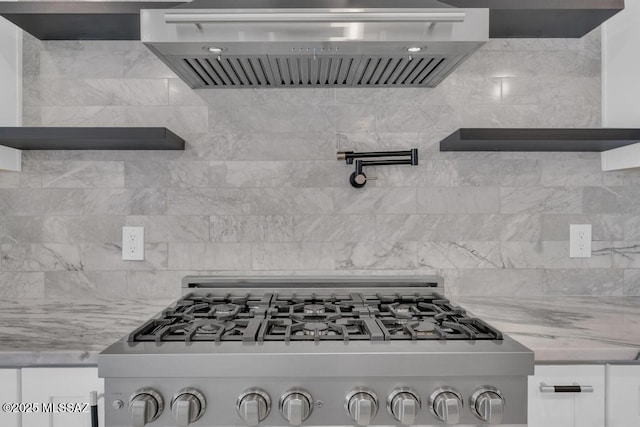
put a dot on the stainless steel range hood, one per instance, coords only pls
(294, 43)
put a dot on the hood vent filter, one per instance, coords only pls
(356, 71)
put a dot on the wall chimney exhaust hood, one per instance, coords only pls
(313, 43)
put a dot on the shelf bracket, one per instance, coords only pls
(10, 159)
(627, 157)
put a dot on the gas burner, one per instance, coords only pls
(226, 309)
(315, 328)
(401, 311)
(211, 326)
(403, 308)
(210, 329)
(415, 330)
(314, 309)
(424, 328)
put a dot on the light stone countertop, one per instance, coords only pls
(63, 332)
(67, 332)
(560, 328)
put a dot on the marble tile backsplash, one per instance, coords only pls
(258, 189)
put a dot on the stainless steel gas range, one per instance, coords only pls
(280, 351)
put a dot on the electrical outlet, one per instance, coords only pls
(580, 241)
(133, 243)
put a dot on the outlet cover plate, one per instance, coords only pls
(580, 240)
(133, 243)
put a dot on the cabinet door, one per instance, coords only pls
(9, 393)
(567, 409)
(623, 395)
(10, 73)
(60, 385)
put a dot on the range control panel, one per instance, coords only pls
(276, 402)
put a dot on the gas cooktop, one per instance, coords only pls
(332, 351)
(315, 317)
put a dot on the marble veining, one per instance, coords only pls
(258, 187)
(60, 331)
(566, 328)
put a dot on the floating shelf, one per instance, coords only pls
(491, 139)
(74, 138)
(81, 20)
(107, 20)
(543, 18)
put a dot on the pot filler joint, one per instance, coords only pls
(358, 179)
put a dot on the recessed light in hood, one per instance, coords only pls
(314, 42)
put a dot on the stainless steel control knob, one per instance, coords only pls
(446, 405)
(362, 406)
(295, 406)
(187, 406)
(253, 406)
(145, 405)
(487, 404)
(404, 404)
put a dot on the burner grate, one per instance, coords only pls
(316, 318)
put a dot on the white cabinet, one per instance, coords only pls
(621, 67)
(10, 73)
(623, 395)
(616, 393)
(10, 159)
(60, 385)
(9, 393)
(10, 89)
(550, 409)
